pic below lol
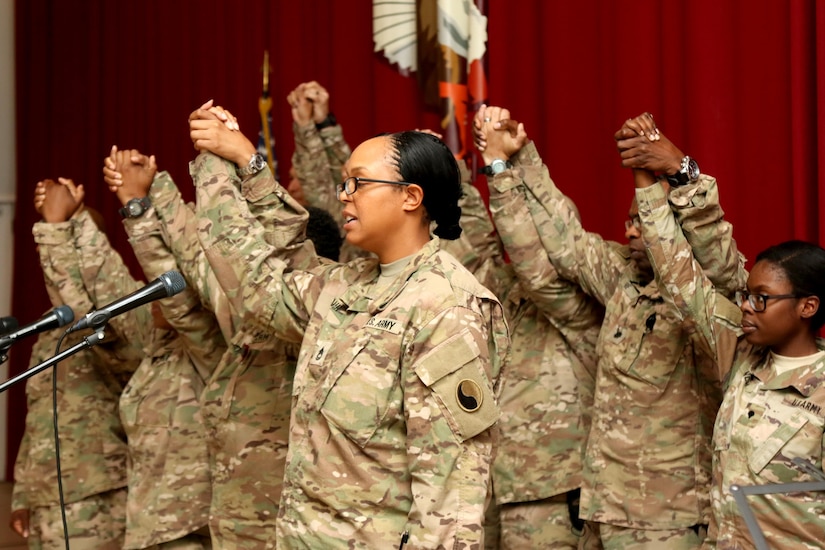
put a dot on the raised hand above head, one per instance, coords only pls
(58, 201)
(503, 136)
(300, 105)
(318, 96)
(209, 133)
(129, 173)
(642, 146)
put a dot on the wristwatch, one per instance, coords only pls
(496, 167)
(327, 122)
(688, 172)
(256, 164)
(135, 208)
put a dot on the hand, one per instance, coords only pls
(319, 98)
(503, 136)
(642, 125)
(431, 132)
(222, 114)
(479, 135)
(129, 173)
(209, 133)
(659, 156)
(300, 105)
(19, 522)
(60, 200)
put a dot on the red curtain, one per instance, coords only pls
(735, 84)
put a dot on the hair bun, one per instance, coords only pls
(450, 232)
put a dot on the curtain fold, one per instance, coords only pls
(737, 85)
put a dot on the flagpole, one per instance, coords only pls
(264, 106)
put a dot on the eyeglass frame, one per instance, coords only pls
(343, 185)
(741, 295)
(634, 221)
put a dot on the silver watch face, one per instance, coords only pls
(257, 163)
(692, 170)
(135, 208)
(498, 166)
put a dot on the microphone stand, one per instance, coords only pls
(87, 342)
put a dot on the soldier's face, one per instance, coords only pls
(372, 212)
(634, 238)
(782, 318)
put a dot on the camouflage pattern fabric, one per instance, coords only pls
(542, 523)
(647, 458)
(602, 536)
(780, 416)
(95, 523)
(246, 402)
(169, 480)
(356, 477)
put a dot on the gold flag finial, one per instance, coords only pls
(266, 73)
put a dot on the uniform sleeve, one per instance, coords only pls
(318, 168)
(565, 304)
(61, 266)
(106, 278)
(698, 212)
(250, 269)
(450, 437)
(583, 258)
(708, 315)
(19, 495)
(194, 324)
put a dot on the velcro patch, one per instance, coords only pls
(388, 325)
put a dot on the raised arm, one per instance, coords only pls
(693, 197)
(194, 323)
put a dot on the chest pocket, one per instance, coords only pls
(784, 431)
(649, 346)
(454, 371)
(361, 391)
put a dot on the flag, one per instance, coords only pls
(444, 42)
(266, 141)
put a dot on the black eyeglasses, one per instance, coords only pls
(351, 184)
(759, 302)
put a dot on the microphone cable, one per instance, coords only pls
(57, 444)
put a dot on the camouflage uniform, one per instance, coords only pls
(384, 438)
(647, 458)
(93, 446)
(780, 416)
(547, 382)
(169, 481)
(246, 403)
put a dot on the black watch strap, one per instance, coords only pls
(327, 122)
(135, 208)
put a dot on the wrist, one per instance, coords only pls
(326, 122)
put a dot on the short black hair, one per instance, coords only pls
(803, 264)
(324, 233)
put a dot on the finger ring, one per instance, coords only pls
(487, 119)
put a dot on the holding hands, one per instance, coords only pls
(496, 135)
(58, 201)
(309, 103)
(128, 173)
(214, 129)
(642, 146)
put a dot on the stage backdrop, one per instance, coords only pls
(736, 84)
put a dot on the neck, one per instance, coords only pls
(800, 345)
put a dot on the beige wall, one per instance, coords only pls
(7, 185)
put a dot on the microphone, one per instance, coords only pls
(58, 317)
(7, 324)
(168, 284)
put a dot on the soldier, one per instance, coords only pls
(93, 445)
(246, 402)
(390, 439)
(773, 413)
(646, 466)
(547, 381)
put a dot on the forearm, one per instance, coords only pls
(700, 215)
(312, 167)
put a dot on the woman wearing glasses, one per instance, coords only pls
(393, 401)
(773, 412)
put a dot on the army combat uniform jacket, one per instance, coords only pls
(393, 401)
(778, 418)
(648, 456)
